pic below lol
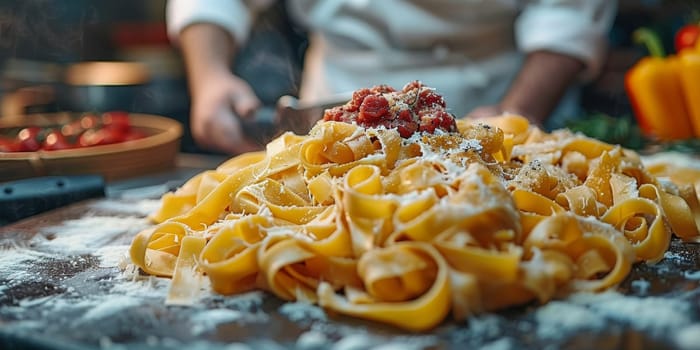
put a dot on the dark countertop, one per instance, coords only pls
(61, 287)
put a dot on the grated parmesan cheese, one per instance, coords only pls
(688, 338)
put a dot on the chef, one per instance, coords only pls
(484, 57)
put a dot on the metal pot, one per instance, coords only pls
(103, 86)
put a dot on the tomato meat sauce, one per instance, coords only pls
(415, 108)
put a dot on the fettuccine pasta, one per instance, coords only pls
(408, 228)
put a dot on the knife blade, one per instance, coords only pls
(300, 116)
(23, 198)
(261, 128)
(289, 114)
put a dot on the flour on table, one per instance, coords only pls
(106, 308)
(688, 338)
(500, 344)
(85, 235)
(245, 301)
(143, 207)
(13, 263)
(151, 287)
(641, 286)
(355, 342)
(398, 345)
(208, 320)
(558, 318)
(299, 311)
(360, 340)
(692, 275)
(311, 340)
(111, 256)
(588, 311)
(675, 257)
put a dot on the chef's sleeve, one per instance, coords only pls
(234, 16)
(575, 28)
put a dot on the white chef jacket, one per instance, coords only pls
(469, 50)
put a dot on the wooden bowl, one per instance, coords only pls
(156, 152)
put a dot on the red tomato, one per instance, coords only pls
(89, 121)
(8, 145)
(116, 120)
(72, 129)
(55, 141)
(29, 139)
(687, 37)
(99, 137)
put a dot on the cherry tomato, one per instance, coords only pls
(29, 139)
(687, 37)
(89, 121)
(72, 129)
(8, 145)
(55, 141)
(116, 120)
(98, 137)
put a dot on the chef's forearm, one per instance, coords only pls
(207, 49)
(541, 83)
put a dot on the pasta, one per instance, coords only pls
(407, 228)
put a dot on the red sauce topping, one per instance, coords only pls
(416, 108)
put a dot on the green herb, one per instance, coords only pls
(624, 131)
(616, 130)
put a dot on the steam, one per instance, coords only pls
(44, 29)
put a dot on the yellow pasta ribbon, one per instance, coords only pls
(421, 313)
(366, 223)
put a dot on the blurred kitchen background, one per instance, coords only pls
(44, 45)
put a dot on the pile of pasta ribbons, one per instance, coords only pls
(407, 231)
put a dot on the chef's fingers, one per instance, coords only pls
(244, 101)
(229, 137)
(220, 130)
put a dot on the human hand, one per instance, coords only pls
(219, 100)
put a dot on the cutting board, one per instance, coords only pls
(63, 285)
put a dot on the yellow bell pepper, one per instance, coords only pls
(654, 88)
(690, 80)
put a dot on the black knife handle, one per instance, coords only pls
(23, 198)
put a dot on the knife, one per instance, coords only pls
(289, 114)
(23, 198)
(300, 116)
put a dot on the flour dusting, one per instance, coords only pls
(76, 278)
(208, 320)
(312, 339)
(692, 275)
(143, 207)
(641, 286)
(104, 308)
(655, 315)
(558, 318)
(688, 338)
(85, 235)
(300, 311)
